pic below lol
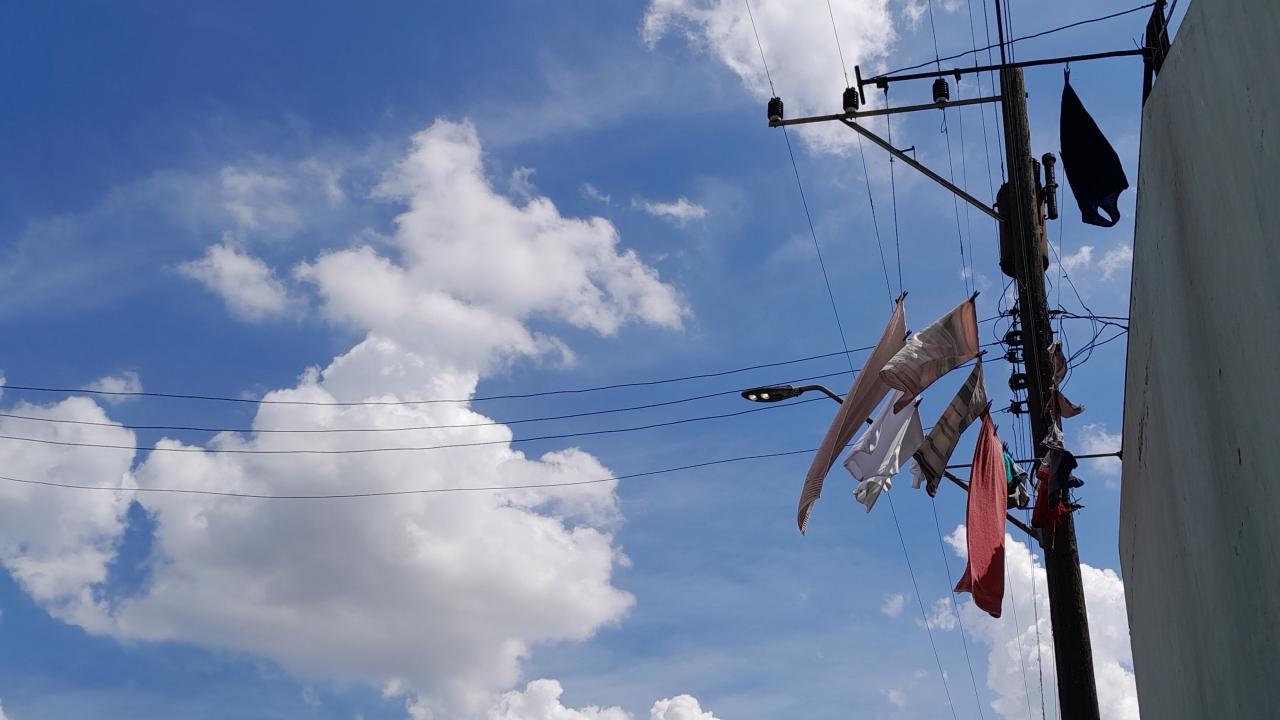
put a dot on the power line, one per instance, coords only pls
(494, 423)
(479, 398)
(924, 616)
(866, 176)
(946, 564)
(760, 45)
(362, 451)
(1025, 37)
(390, 493)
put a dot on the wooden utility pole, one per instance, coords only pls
(1077, 689)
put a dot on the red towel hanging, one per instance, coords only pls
(984, 519)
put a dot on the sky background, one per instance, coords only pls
(412, 201)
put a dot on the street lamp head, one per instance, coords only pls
(771, 393)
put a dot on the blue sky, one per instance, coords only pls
(421, 200)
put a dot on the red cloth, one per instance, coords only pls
(984, 517)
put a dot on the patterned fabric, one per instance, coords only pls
(933, 352)
(867, 392)
(931, 459)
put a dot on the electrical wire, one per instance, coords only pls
(946, 564)
(479, 398)
(924, 616)
(893, 189)
(545, 418)
(418, 448)
(1050, 31)
(866, 176)
(410, 491)
(966, 273)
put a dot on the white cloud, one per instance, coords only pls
(258, 202)
(591, 192)
(58, 544)
(1115, 260)
(896, 696)
(1081, 258)
(913, 11)
(437, 599)
(798, 46)
(1108, 266)
(892, 605)
(680, 707)
(942, 615)
(540, 700)
(126, 382)
(1019, 639)
(2, 715)
(522, 183)
(250, 289)
(680, 211)
(1094, 438)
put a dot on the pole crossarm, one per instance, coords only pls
(882, 81)
(927, 172)
(1030, 531)
(884, 111)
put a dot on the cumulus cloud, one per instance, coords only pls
(58, 544)
(1023, 637)
(540, 700)
(799, 47)
(126, 382)
(1094, 438)
(680, 707)
(250, 289)
(437, 599)
(892, 605)
(679, 212)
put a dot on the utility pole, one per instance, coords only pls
(1073, 652)
(1023, 233)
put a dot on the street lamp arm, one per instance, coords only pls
(823, 390)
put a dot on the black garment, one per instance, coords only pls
(1090, 163)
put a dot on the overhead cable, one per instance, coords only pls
(478, 398)
(1025, 37)
(416, 448)
(392, 493)
(517, 421)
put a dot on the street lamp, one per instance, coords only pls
(776, 393)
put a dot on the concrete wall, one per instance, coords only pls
(1200, 508)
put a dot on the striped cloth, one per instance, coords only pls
(867, 392)
(933, 352)
(931, 459)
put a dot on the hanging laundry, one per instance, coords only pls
(1054, 481)
(882, 450)
(933, 352)
(1017, 482)
(1061, 405)
(1092, 167)
(984, 522)
(931, 459)
(867, 392)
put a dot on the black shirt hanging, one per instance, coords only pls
(1090, 163)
